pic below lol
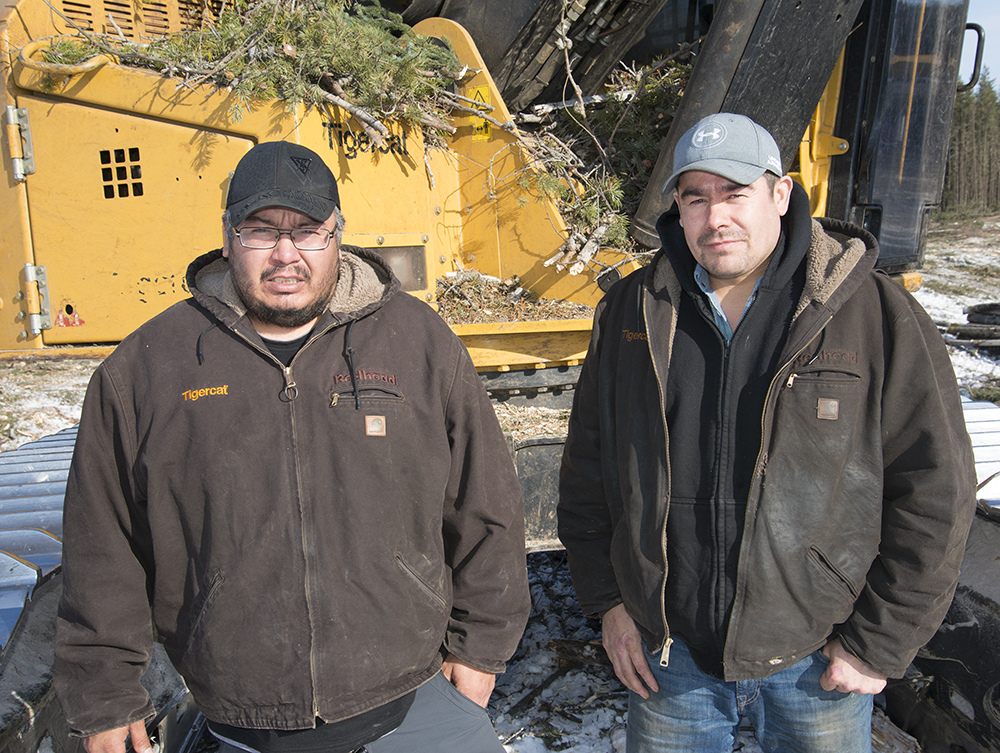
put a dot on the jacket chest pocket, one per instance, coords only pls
(819, 418)
(366, 395)
(828, 395)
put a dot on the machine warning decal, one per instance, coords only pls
(352, 141)
(480, 126)
(68, 317)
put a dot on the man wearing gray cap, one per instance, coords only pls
(767, 484)
(295, 481)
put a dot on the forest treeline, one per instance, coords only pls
(972, 179)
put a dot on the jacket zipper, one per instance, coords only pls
(383, 394)
(291, 392)
(757, 483)
(796, 374)
(761, 463)
(667, 640)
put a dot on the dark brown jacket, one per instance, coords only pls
(304, 541)
(856, 518)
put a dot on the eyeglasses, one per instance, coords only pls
(303, 238)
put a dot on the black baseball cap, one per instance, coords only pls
(282, 174)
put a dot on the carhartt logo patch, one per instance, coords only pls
(301, 164)
(828, 408)
(375, 426)
(205, 392)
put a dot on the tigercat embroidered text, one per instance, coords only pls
(205, 392)
(629, 335)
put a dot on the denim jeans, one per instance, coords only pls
(789, 711)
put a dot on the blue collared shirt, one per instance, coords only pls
(701, 277)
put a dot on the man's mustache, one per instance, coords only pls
(285, 271)
(714, 236)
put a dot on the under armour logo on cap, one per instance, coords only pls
(708, 136)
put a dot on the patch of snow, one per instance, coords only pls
(963, 705)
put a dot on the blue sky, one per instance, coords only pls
(986, 13)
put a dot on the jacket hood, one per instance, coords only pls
(840, 254)
(364, 283)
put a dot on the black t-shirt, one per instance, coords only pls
(339, 737)
(285, 350)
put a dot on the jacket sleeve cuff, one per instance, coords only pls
(483, 665)
(852, 648)
(147, 713)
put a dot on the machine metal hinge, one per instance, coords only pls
(22, 152)
(38, 303)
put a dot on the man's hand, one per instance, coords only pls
(847, 673)
(473, 683)
(113, 741)
(624, 646)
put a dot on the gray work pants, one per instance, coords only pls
(440, 720)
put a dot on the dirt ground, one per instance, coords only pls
(962, 260)
(40, 396)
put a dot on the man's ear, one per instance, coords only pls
(783, 193)
(677, 202)
(225, 243)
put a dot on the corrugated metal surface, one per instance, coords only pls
(983, 422)
(32, 486)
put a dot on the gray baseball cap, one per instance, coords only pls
(729, 145)
(282, 174)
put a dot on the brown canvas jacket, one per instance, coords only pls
(854, 527)
(305, 542)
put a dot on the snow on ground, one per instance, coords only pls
(959, 272)
(39, 397)
(559, 691)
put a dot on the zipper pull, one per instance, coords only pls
(791, 380)
(665, 653)
(291, 391)
(335, 399)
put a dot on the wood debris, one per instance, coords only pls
(472, 298)
(524, 423)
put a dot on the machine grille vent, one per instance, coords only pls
(194, 13)
(121, 173)
(151, 18)
(118, 19)
(79, 13)
(155, 18)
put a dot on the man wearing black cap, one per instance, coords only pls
(295, 481)
(767, 483)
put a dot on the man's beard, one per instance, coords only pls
(287, 318)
